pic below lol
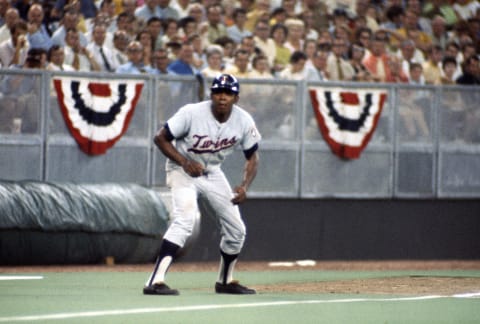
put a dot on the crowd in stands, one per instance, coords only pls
(408, 41)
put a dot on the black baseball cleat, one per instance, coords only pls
(160, 289)
(233, 288)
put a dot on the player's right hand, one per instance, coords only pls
(193, 168)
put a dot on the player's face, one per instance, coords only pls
(222, 101)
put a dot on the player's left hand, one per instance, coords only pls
(240, 195)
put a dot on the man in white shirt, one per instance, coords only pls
(55, 57)
(101, 53)
(119, 50)
(264, 42)
(14, 50)
(11, 17)
(76, 55)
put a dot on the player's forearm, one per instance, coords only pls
(167, 148)
(250, 170)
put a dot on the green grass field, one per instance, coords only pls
(116, 297)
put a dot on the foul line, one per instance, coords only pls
(20, 277)
(60, 316)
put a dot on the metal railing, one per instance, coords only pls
(426, 145)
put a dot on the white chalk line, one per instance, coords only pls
(20, 277)
(61, 316)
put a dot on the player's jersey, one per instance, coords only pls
(200, 137)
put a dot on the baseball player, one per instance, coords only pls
(196, 140)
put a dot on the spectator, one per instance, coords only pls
(76, 55)
(340, 18)
(182, 7)
(409, 54)
(440, 8)
(294, 41)
(119, 50)
(364, 9)
(102, 18)
(160, 61)
(107, 7)
(229, 48)
(296, 69)
(395, 16)
(424, 23)
(319, 12)
(237, 31)
(213, 28)
(214, 61)
(14, 50)
(471, 72)
(260, 11)
(248, 44)
(55, 57)
(166, 11)
(364, 36)
(21, 93)
(69, 21)
(263, 42)
(187, 27)
(310, 47)
(415, 74)
(278, 16)
(87, 8)
(453, 50)
(199, 57)
(183, 65)
(11, 17)
(128, 7)
(240, 68)
(37, 36)
(432, 67)
(307, 18)
(260, 68)
(148, 10)
(170, 31)
(356, 54)
(449, 66)
(197, 11)
(135, 64)
(338, 68)
(279, 35)
(145, 38)
(468, 50)
(439, 32)
(395, 73)
(128, 23)
(470, 77)
(292, 7)
(377, 61)
(154, 27)
(4, 6)
(412, 103)
(76, 6)
(411, 30)
(102, 54)
(320, 72)
(466, 9)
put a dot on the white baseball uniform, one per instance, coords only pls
(200, 137)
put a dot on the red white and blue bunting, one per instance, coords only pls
(347, 119)
(97, 112)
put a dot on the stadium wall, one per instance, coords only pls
(346, 229)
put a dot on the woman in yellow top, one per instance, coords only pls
(279, 34)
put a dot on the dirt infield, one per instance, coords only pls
(408, 285)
